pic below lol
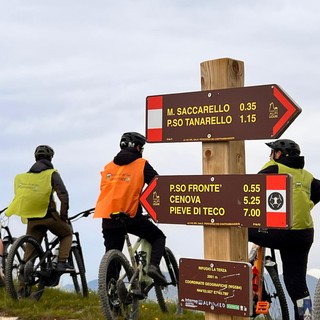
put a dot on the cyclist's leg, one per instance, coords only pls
(294, 260)
(113, 239)
(63, 231)
(269, 238)
(145, 229)
(36, 229)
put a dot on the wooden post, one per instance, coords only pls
(223, 243)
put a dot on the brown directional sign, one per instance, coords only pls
(220, 287)
(245, 113)
(249, 200)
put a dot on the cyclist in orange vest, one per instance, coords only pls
(121, 184)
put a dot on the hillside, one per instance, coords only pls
(57, 304)
(62, 305)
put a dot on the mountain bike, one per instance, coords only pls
(269, 300)
(29, 279)
(316, 302)
(121, 284)
(7, 240)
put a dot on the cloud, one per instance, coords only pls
(75, 75)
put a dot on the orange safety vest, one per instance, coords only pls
(120, 188)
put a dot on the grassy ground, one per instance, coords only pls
(59, 305)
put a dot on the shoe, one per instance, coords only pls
(28, 272)
(21, 274)
(123, 293)
(22, 289)
(1, 277)
(155, 273)
(21, 293)
(64, 267)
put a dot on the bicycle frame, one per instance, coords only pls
(124, 280)
(262, 306)
(51, 245)
(269, 297)
(139, 269)
(26, 279)
(8, 236)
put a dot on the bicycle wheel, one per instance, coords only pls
(24, 280)
(316, 302)
(116, 298)
(168, 294)
(274, 294)
(7, 243)
(79, 275)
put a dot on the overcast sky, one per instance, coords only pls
(75, 75)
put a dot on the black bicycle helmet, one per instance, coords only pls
(286, 146)
(44, 152)
(131, 140)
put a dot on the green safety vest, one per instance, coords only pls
(302, 205)
(32, 193)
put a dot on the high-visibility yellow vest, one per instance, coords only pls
(120, 188)
(32, 194)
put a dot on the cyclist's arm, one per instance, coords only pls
(149, 173)
(62, 193)
(315, 191)
(270, 169)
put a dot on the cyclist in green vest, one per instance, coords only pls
(294, 244)
(34, 203)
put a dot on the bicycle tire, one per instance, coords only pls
(7, 242)
(168, 294)
(115, 301)
(30, 285)
(275, 295)
(79, 275)
(316, 301)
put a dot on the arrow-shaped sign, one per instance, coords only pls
(251, 200)
(245, 113)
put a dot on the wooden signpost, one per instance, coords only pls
(222, 115)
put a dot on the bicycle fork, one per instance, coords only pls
(262, 307)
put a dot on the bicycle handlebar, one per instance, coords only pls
(85, 213)
(3, 210)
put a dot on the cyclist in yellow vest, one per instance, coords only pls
(34, 202)
(293, 244)
(121, 184)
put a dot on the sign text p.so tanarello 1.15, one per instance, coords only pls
(245, 113)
